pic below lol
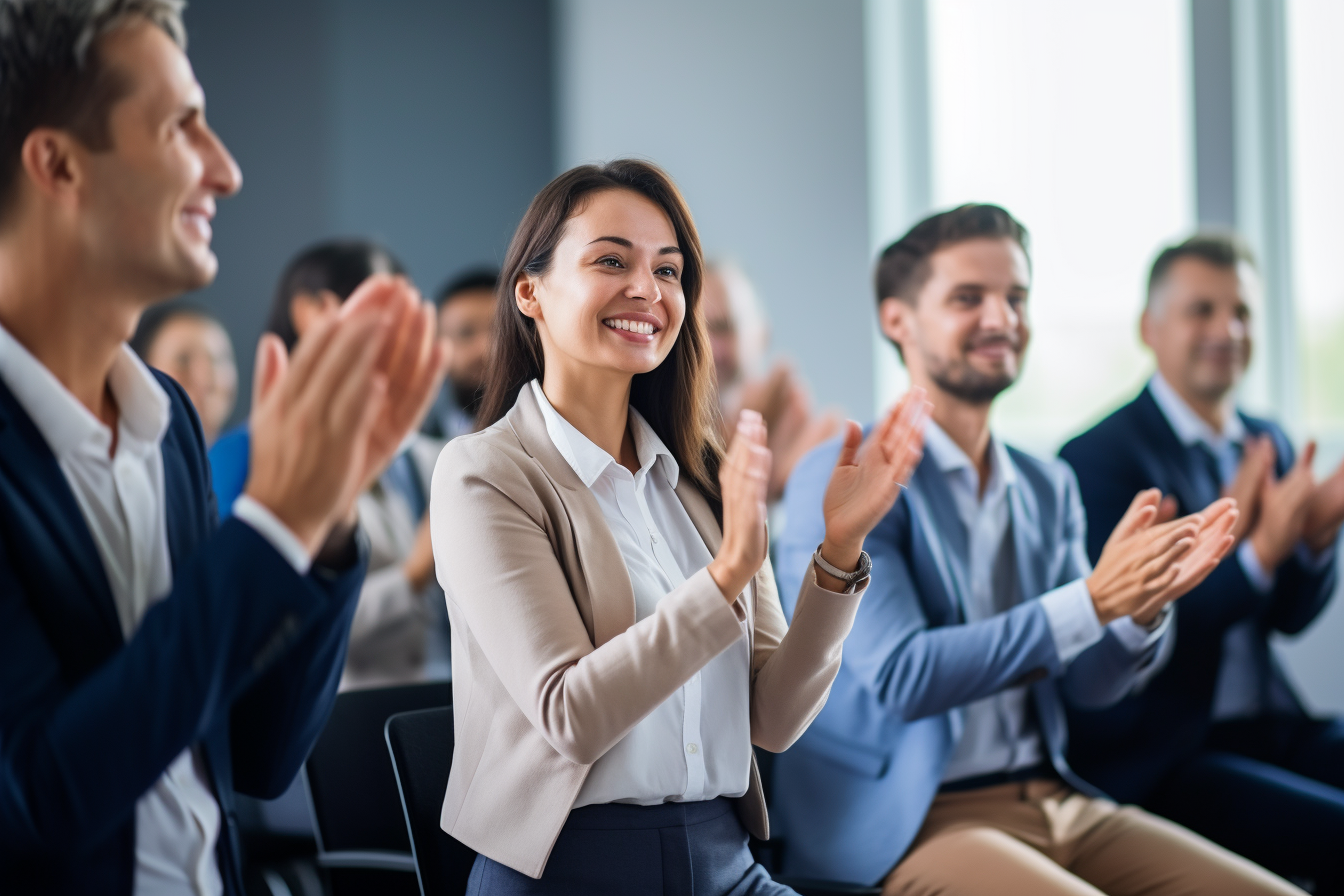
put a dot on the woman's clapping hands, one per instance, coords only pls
(864, 484)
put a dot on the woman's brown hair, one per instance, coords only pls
(677, 397)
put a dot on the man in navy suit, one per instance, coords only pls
(153, 661)
(1218, 740)
(937, 764)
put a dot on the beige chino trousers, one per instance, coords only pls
(1043, 838)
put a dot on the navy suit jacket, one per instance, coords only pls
(1127, 749)
(242, 659)
(852, 793)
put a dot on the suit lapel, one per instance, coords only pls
(1181, 464)
(934, 513)
(48, 537)
(1029, 549)
(610, 597)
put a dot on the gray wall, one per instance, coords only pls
(425, 124)
(757, 109)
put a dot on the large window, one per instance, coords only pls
(1076, 118)
(1316, 175)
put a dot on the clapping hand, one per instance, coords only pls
(1257, 465)
(744, 478)
(328, 419)
(1150, 560)
(867, 479)
(1284, 507)
(1325, 511)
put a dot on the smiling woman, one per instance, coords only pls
(618, 642)
(625, 195)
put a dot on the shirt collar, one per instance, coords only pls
(587, 459)
(1189, 426)
(950, 458)
(64, 423)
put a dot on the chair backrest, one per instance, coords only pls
(421, 745)
(350, 780)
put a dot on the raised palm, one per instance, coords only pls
(412, 363)
(869, 473)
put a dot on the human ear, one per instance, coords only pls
(1146, 325)
(525, 296)
(48, 158)
(893, 318)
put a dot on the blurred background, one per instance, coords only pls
(806, 136)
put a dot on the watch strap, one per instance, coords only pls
(851, 579)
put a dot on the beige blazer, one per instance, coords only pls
(550, 669)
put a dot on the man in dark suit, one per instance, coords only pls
(153, 661)
(1218, 741)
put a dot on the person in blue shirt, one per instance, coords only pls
(938, 763)
(1219, 741)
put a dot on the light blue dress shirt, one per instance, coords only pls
(999, 734)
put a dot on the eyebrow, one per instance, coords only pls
(972, 285)
(622, 241)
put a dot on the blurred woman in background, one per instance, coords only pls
(189, 345)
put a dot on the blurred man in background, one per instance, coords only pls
(1218, 740)
(740, 337)
(189, 345)
(466, 314)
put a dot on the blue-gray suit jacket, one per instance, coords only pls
(851, 795)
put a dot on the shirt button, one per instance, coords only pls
(654, 536)
(692, 749)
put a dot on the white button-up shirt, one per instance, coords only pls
(999, 735)
(122, 500)
(696, 745)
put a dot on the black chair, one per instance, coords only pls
(352, 792)
(421, 746)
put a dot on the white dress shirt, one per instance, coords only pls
(122, 500)
(697, 744)
(999, 735)
(1240, 686)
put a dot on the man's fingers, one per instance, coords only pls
(1142, 510)
(1217, 510)
(376, 292)
(1158, 566)
(356, 340)
(1160, 541)
(1166, 510)
(269, 368)
(412, 351)
(351, 385)
(1307, 457)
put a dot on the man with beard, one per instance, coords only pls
(1218, 741)
(466, 312)
(937, 764)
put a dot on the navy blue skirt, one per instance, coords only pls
(674, 849)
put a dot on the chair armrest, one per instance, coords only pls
(379, 859)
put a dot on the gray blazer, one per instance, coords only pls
(550, 669)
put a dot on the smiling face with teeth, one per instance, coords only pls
(611, 301)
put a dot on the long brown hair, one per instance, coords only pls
(677, 397)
